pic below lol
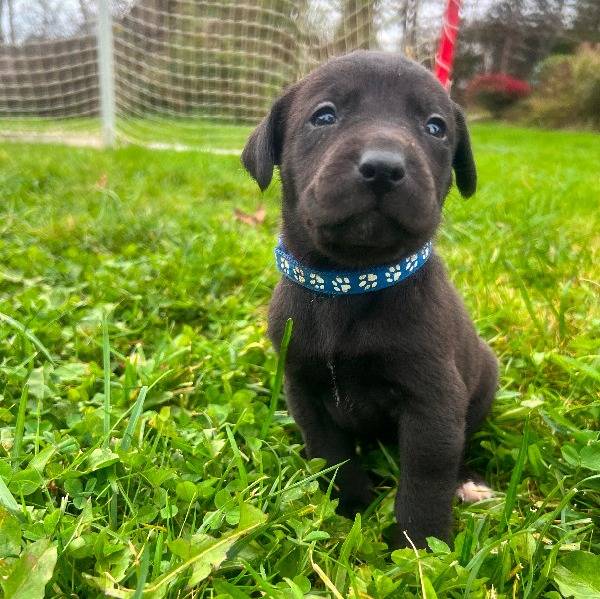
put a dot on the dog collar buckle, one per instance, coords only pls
(350, 282)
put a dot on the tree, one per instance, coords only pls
(512, 37)
(586, 24)
(11, 22)
(357, 28)
(410, 15)
(1, 21)
(86, 16)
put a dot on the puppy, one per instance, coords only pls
(382, 346)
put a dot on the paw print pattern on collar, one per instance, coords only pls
(350, 282)
(367, 281)
(410, 263)
(298, 274)
(316, 281)
(341, 284)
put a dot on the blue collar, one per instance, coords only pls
(350, 282)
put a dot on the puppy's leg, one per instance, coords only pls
(471, 486)
(431, 449)
(481, 401)
(325, 439)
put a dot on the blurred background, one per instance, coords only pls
(188, 73)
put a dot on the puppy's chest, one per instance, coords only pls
(361, 397)
(352, 347)
(332, 331)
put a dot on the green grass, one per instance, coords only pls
(83, 125)
(194, 133)
(132, 462)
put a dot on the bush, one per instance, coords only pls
(496, 92)
(568, 91)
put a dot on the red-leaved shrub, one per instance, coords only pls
(497, 91)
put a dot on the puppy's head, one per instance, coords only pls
(366, 145)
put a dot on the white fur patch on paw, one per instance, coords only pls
(470, 492)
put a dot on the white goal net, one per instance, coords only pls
(182, 73)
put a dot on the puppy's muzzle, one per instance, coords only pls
(381, 170)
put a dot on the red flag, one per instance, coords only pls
(445, 55)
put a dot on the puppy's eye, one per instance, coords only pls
(436, 126)
(324, 115)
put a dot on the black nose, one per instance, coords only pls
(381, 169)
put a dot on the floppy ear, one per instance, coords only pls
(265, 144)
(463, 162)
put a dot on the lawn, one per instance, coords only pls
(138, 455)
(164, 133)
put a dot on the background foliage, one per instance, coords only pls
(568, 91)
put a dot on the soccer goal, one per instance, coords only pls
(181, 73)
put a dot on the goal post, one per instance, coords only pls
(106, 75)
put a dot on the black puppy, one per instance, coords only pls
(366, 145)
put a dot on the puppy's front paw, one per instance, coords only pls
(354, 501)
(398, 538)
(470, 491)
